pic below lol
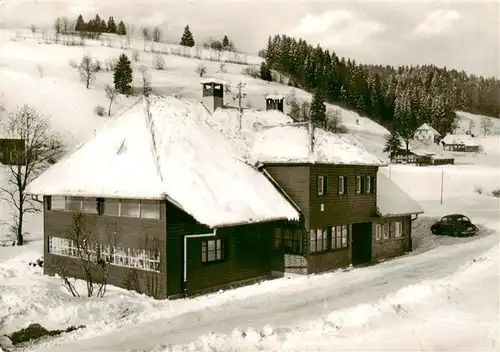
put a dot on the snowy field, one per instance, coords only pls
(442, 297)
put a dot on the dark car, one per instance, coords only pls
(454, 225)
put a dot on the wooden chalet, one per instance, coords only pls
(335, 185)
(185, 215)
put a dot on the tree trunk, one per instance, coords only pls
(20, 238)
(88, 82)
(109, 109)
(407, 143)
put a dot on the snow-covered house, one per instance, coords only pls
(169, 201)
(335, 185)
(460, 143)
(427, 132)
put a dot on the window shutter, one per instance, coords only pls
(49, 202)
(325, 185)
(345, 185)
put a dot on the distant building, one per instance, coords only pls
(274, 102)
(460, 143)
(427, 132)
(12, 151)
(213, 93)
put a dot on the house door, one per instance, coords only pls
(361, 243)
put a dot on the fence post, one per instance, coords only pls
(442, 182)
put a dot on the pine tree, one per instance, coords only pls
(318, 109)
(265, 72)
(123, 75)
(187, 37)
(111, 26)
(225, 43)
(121, 30)
(392, 144)
(80, 24)
(97, 24)
(103, 28)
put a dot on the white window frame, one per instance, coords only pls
(358, 185)
(368, 184)
(219, 250)
(134, 258)
(82, 201)
(321, 185)
(386, 231)
(140, 208)
(398, 229)
(378, 232)
(341, 181)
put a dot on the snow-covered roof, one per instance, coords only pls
(275, 96)
(290, 144)
(427, 127)
(459, 139)
(212, 80)
(170, 152)
(392, 200)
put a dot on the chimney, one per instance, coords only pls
(213, 93)
(310, 130)
(274, 102)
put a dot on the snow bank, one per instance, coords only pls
(372, 325)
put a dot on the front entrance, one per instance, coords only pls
(361, 243)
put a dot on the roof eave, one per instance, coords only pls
(393, 215)
(250, 222)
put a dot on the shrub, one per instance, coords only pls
(252, 71)
(201, 70)
(496, 193)
(478, 189)
(73, 63)
(36, 331)
(99, 110)
(158, 62)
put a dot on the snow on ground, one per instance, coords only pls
(424, 183)
(465, 119)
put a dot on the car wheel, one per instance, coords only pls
(434, 231)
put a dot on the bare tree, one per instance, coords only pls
(333, 122)
(111, 94)
(145, 36)
(65, 25)
(486, 125)
(130, 30)
(145, 80)
(58, 27)
(156, 34)
(93, 253)
(158, 62)
(201, 70)
(87, 69)
(41, 148)
(135, 55)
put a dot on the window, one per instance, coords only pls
(127, 257)
(132, 208)
(378, 232)
(129, 208)
(369, 184)
(150, 209)
(359, 185)
(111, 207)
(57, 203)
(342, 185)
(322, 185)
(386, 231)
(318, 240)
(398, 229)
(339, 237)
(213, 251)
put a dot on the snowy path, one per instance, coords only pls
(283, 309)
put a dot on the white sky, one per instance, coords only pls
(456, 34)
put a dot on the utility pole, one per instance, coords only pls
(240, 85)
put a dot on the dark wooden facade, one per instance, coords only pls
(274, 104)
(461, 148)
(12, 151)
(215, 90)
(247, 253)
(328, 210)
